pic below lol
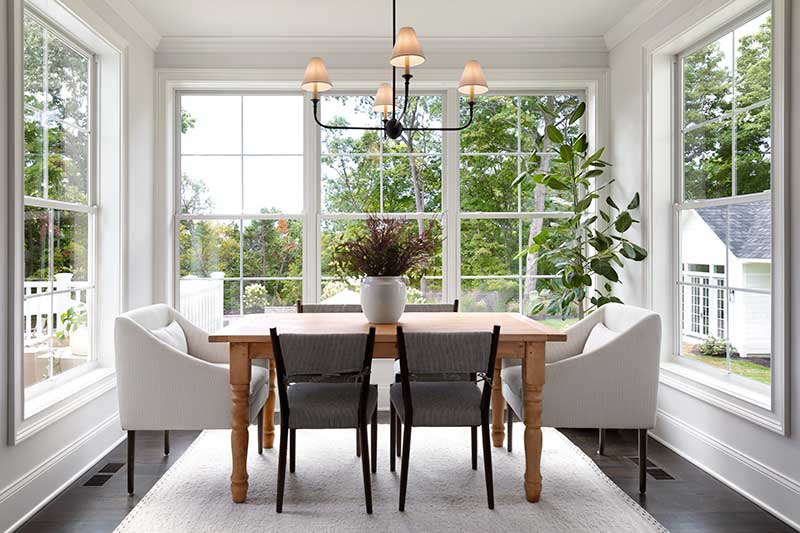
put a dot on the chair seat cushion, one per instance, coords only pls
(452, 376)
(172, 334)
(512, 389)
(327, 405)
(440, 404)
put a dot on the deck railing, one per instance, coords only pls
(202, 301)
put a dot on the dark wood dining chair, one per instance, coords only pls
(324, 383)
(443, 403)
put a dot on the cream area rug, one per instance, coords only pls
(444, 493)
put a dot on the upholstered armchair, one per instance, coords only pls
(604, 376)
(170, 377)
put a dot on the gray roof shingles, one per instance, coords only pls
(750, 227)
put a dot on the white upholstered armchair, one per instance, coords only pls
(170, 377)
(604, 376)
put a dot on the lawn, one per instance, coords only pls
(740, 367)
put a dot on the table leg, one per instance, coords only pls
(269, 410)
(498, 408)
(240, 408)
(533, 375)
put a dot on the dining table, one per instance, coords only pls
(521, 337)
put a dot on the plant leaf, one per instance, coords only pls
(634, 203)
(577, 113)
(610, 201)
(553, 134)
(623, 222)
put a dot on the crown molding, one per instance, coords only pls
(136, 21)
(632, 21)
(334, 45)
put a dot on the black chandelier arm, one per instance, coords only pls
(456, 128)
(315, 101)
(407, 78)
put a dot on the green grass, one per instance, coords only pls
(557, 323)
(740, 367)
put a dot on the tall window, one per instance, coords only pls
(724, 203)
(59, 205)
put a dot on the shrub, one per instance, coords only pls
(716, 347)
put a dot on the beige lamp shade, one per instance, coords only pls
(472, 80)
(407, 48)
(384, 103)
(316, 78)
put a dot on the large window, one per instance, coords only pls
(724, 208)
(59, 205)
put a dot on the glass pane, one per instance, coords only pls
(753, 61)
(703, 234)
(750, 244)
(536, 197)
(708, 81)
(261, 296)
(33, 63)
(202, 301)
(707, 161)
(750, 335)
(331, 233)
(71, 338)
(37, 248)
(533, 120)
(423, 111)
(37, 323)
(486, 183)
(489, 247)
(349, 111)
(494, 127)
(273, 248)
(67, 84)
(351, 184)
(412, 184)
(211, 124)
(70, 247)
(704, 315)
(211, 184)
(273, 124)
(209, 246)
(68, 168)
(489, 295)
(753, 150)
(231, 305)
(273, 184)
(34, 153)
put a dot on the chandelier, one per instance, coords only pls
(406, 53)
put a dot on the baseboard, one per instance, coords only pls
(744, 474)
(21, 499)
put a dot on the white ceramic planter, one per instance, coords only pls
(383, 299)
(79, 341)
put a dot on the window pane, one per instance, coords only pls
(707, 161)
(494, 127)
(750, 335)
(33, 63)
(536, 197)
(753, 150)
(489, 247)
(38, 318)
(533, 120)
(67, 84)
(71, 338)
(423, 111)
(260, 296)
(708, 81)
(489, 295)
(349, 111)
(273, 184)
(211, 184)
(273, 248)
(273, 124)
(412, 184)
(486, 183)
(70, 246)
(351, 184)
(34, 153)
(208, 246)
(202, 301)
(750, 244)
(703, 236)
(211, 124)
(37, 246)
(231, 306)
(753, 61)
(68, 168)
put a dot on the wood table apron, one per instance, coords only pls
(520, 338)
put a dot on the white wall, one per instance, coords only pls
(39, 466)
(763, 465)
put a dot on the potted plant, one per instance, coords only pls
(75, 321)
(381, 255)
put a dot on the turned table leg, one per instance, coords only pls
(533, 376)
(240, 400)
(269, 410)
(498, 408)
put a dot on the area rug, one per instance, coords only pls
(444, 493)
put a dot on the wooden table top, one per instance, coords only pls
(513, 327)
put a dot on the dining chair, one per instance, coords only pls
(604, 376)
(443, 403)
(170, 377)
(327, 392)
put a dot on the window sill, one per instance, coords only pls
(52, 405)
(731, 393)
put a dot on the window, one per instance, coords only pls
(59, 289)
(724, 208)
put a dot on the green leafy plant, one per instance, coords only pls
(716, 347)
(587, 244)
(255, 296)
(72, 319)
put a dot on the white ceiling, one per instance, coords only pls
(372, 18)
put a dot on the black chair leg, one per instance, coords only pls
(487, 462)
(131, 458)
(601, 441)
(166, 442)
(292, 446)
(358, 445)
(365, 466)
(404, 465)
(281, 467)
(399, 437)
(474, 431)
(642, 461)
(374, 438)
(260, 438)
(392, 443)
(510, 427)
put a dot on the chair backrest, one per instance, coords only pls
(322, 355)
(620, 318)
(432, 308)
(447, 352)
(328, 308)
(152, 316)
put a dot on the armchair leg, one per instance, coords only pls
(474, 431)
(392, 430)
(487, 462)
(166, 442)
(510, 427)
(374, 438)
(260, 432)
(131, 458)
(292, 446)
(601, 441)
(642, 461)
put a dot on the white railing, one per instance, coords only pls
(202, 301)
(40, 311)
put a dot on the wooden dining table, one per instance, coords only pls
(520, 338)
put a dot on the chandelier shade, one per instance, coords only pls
(316, 78)
(384, 102)
(472, 80)
(407, 51)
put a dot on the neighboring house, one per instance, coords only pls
(744, 265)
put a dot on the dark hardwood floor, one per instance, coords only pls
(683, 499)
